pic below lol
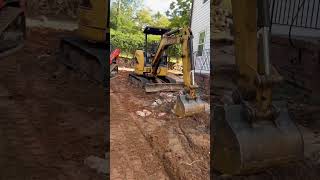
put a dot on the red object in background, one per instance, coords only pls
(114, 55)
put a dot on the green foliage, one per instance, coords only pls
(129, 42)
(129, 18)
(179, 13)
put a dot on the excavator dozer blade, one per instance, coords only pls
(188, 107)
(243, 148)
(162, 87)
(150, 87)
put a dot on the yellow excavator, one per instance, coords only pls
(150, 70)
(145, 60)
(88, 51)
(254, 133)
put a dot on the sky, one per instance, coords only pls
(158, 5)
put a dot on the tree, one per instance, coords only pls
(122, 13)
(179, 13)
(144, 18)
(160, 20)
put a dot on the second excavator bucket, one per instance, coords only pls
(241, 147)
(188, 107)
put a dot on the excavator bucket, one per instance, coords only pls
(188, 107)
(241, 147)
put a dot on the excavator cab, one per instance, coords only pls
(144, 58)
(254, 133)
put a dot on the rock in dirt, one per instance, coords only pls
(162, 114)
(141, 113)
(99, 164)
(166, 95)
(146, 112)
(158, 101)
(154, 104)
(43, 56)
(162, 94)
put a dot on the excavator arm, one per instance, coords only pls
(189, 103)
(255, 133)
(181, 36)
(165, 42)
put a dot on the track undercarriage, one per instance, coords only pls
(156, 84)
(84, 57)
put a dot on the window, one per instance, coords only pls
(202, 36)
(204, 1)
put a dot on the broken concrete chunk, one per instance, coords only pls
(140, 113)
(170, 95)
(97, 163)
(161, 114)
(146, 112)
(154, 104)
(162, 94)
(158, 101)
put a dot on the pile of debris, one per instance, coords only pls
(165, 99)
(164, 105)
(177, 67)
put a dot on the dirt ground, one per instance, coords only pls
(304, 113)
(51, 118)
(159, 146)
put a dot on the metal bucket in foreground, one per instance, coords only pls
(243, 148)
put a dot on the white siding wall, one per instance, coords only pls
(201, 22)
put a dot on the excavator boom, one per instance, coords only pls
(189, 103)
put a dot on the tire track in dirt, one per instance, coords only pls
(180, 158)
(46, 130)
(131, 155)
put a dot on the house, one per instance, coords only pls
(200, 26)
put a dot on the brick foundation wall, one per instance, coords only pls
(203, 81)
